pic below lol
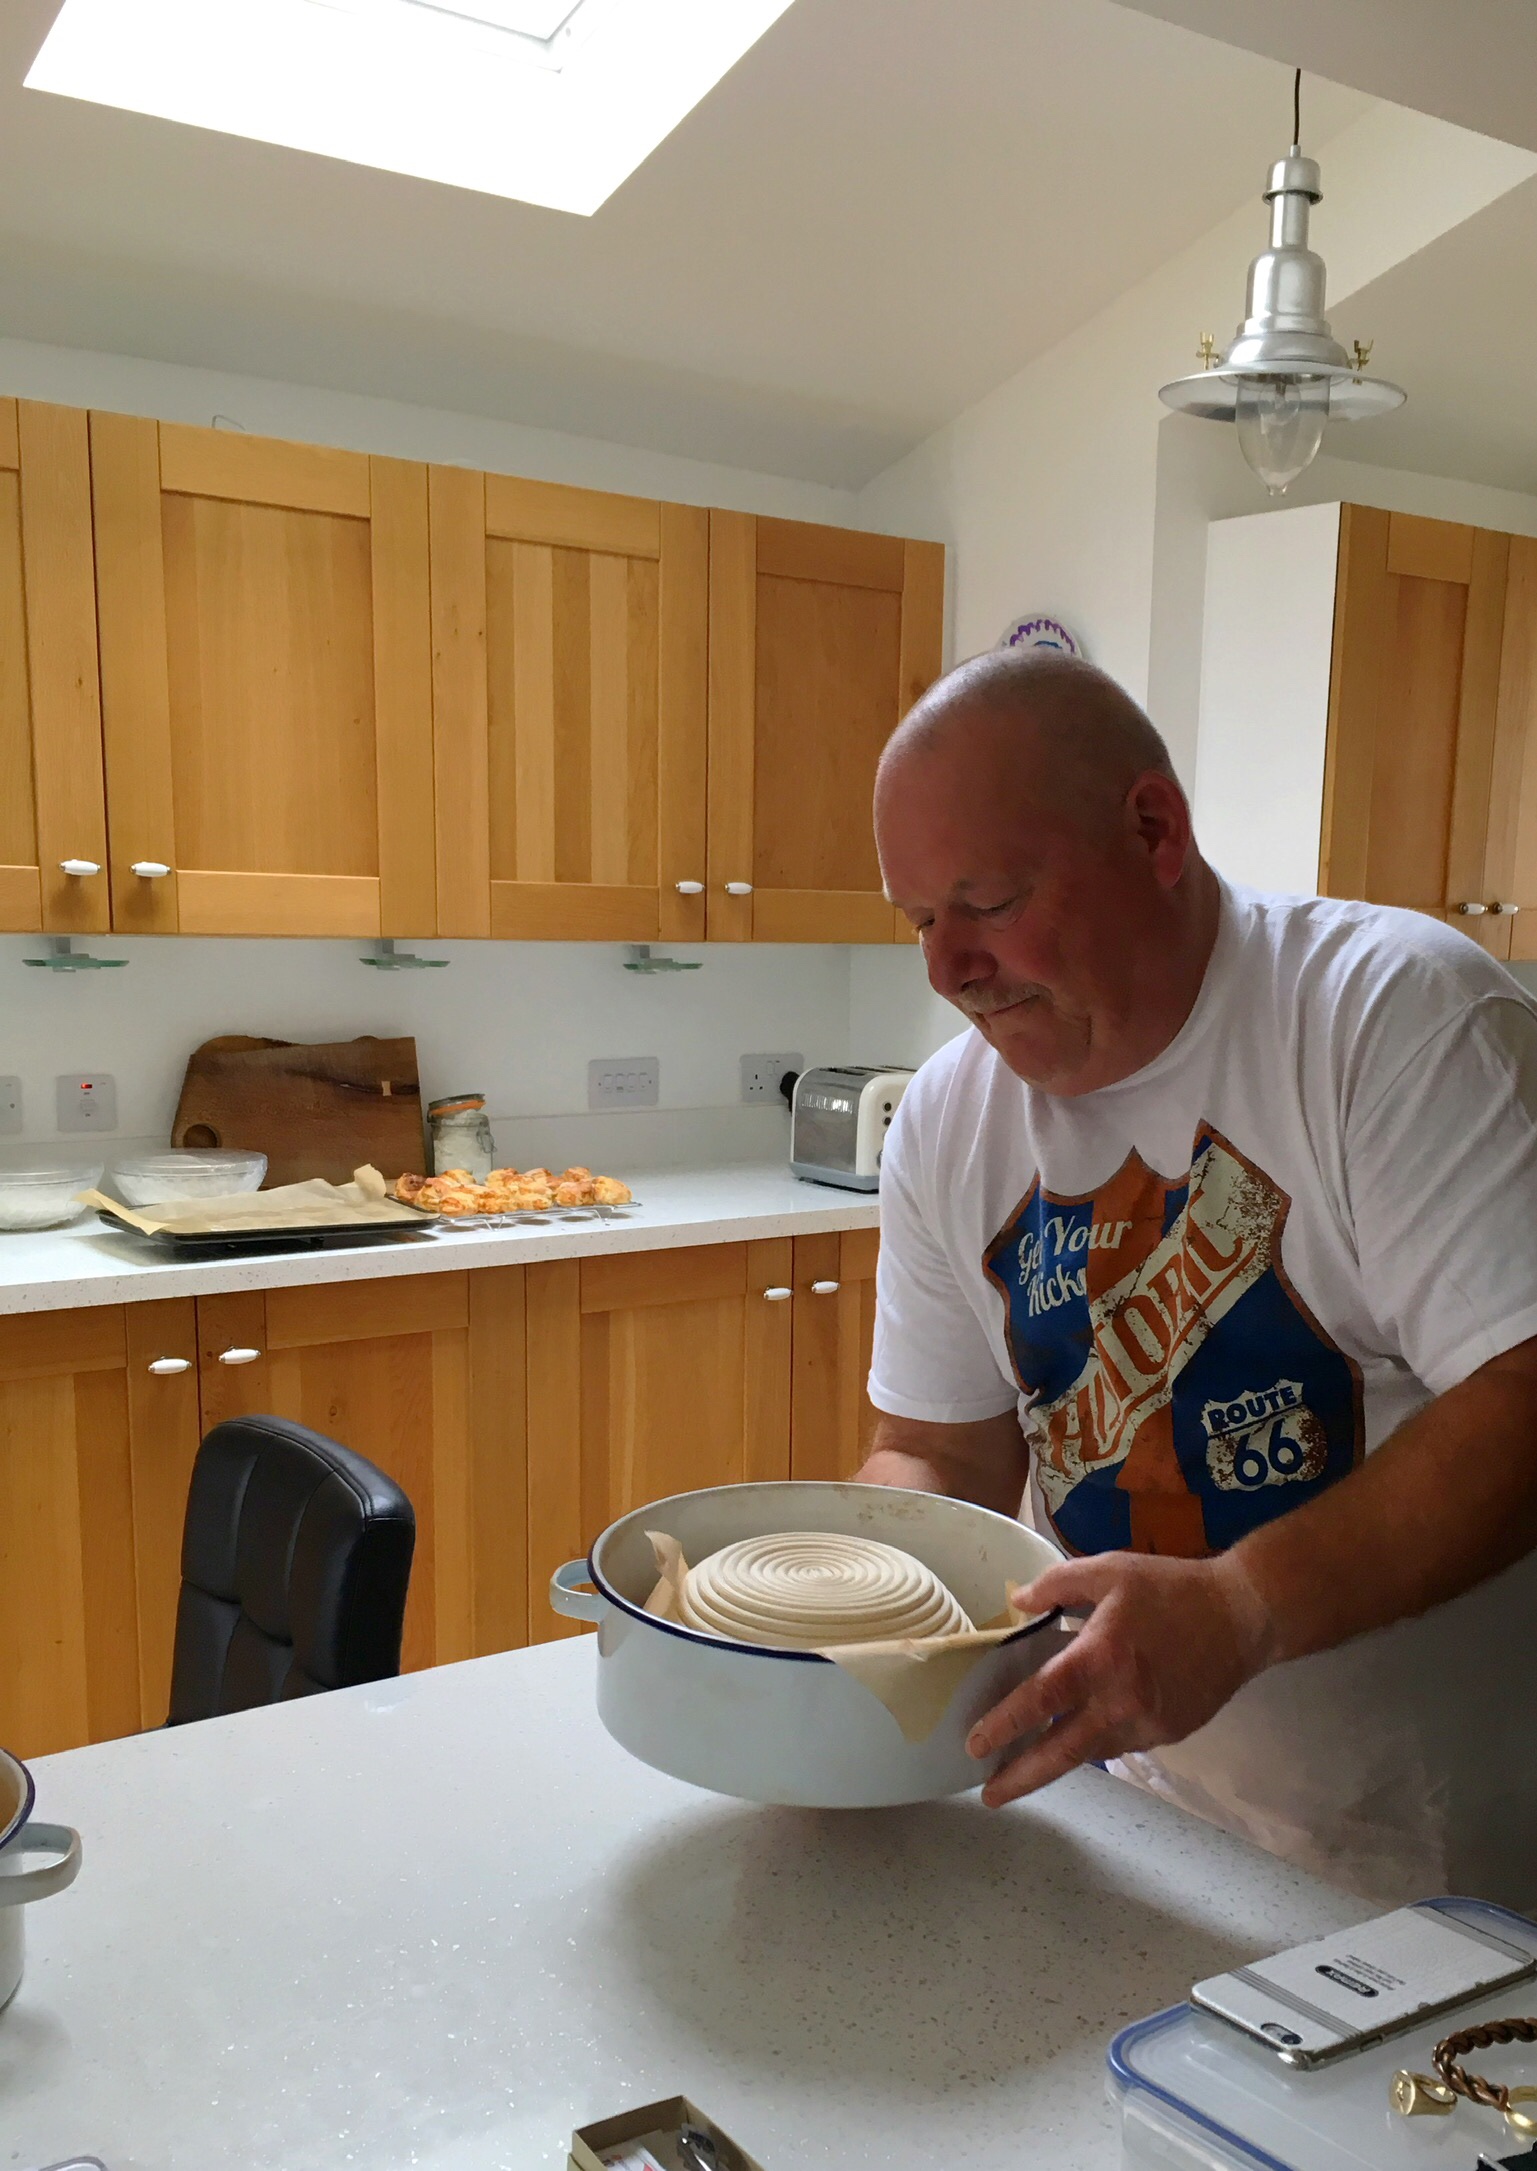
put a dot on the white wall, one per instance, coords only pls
(170, 392)
(1048, 488)
(517, 1021)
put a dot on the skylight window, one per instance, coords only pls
(552, 102)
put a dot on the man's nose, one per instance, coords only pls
(955, 958)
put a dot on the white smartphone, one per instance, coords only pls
(1338, 1994)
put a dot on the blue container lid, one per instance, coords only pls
(1184, 2076)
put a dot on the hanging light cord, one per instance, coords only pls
(1297, 111)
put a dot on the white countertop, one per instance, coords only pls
(439, 1922)
(50, 1270)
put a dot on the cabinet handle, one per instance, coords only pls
(80, 866)
(688, 889)
(824, 1288)
(1508, 910)
(150, 870)
(162, 1367)
(738, 889)
(777, 1296)
(1472, 910)
(238, 1356)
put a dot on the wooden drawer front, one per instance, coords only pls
(36, 1345)
(695, 1273)
(352, 1311)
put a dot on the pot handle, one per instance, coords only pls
(38, 1884)
(566, 1598)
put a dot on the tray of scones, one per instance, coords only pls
(511, 1195)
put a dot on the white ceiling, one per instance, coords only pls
(886, 208)
(1457, 325)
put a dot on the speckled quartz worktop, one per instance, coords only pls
(441, 1921)
(54, 1270)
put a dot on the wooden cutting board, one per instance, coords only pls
(312, 1110)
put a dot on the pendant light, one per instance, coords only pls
(1285, 376)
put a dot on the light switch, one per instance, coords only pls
(87, 1101)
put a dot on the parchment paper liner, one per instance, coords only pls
(913, 1676)
(313, 1205)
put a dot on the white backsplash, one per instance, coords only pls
(517, 1021)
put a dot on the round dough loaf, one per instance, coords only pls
(804, 1589)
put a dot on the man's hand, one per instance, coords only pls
(1167, 1643)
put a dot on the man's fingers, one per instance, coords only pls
(1071, 1584)
(1057, 1689)
(1073, 1741)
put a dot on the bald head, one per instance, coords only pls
(1078, 736)
(1032, 830)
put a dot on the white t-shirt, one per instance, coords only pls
(1209, 1290)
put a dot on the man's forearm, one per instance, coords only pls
(1448, 1501)
(987, 1462)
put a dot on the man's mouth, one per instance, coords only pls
(983, 1012)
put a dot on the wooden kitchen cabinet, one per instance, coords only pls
(94, 1449)
(832, 1419)
(52, 802)
(266, 665)
(649, 1373)
(654, 1373)
(569, 659)
(820, 640)
(1369, 714)
(424, 1375)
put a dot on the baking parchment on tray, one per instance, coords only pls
(293, 1217)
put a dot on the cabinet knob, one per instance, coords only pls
(1472, 910)
(238, 1356)
(777, 1296)
(150, 870)
(163, 1367)
(738, 889)
(80, 866)
(688, 889)
(1508, 910)
(824, 1288)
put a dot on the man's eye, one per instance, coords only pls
(993, 912)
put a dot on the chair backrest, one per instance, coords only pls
(296, 1557)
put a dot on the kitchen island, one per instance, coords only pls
(47, 1270)
(440, 1921)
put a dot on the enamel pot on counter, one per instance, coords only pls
(21, 1838)
(790, 1726)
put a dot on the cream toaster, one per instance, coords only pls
(839, 1117)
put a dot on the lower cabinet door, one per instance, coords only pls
(87, 1431)
(424, 1375)
(649, 1373)
(833, 1420)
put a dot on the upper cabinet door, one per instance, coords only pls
(569, 660)
(266, 684)
(1419, 614)
(52, 810)
(821, 639)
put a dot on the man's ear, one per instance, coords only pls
(1158, 814)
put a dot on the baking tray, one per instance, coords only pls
(534, 1216)
(200, 1244)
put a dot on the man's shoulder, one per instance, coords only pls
(1363, 958)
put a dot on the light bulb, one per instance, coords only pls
(1281, 425)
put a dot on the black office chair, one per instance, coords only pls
(295, 1561)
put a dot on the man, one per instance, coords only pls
(1220, 1228)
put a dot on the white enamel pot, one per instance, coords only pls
(20, 1837)
(790, 1726)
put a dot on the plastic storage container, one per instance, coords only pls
(45, 1196)
(187, 1172)
(1198, 2095)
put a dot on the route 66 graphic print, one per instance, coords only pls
(1180, 1391)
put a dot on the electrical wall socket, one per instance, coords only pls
(761, 1075)
(87, 1101)
(623, 1081)
(10, 1107)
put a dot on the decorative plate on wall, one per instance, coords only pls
(1036, 631)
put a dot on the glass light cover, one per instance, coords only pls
(1281, 426)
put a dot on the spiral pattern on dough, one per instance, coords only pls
(803, 1589)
